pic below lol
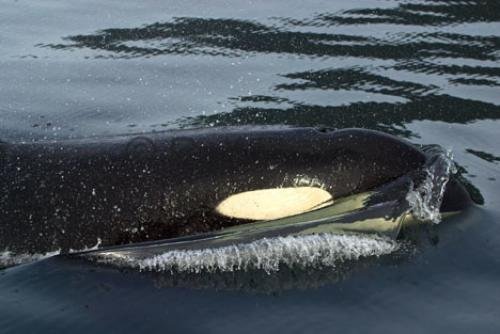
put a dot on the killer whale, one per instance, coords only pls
(124, 189)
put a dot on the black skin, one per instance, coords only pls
(62, 195)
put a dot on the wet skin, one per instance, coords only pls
(137, 188)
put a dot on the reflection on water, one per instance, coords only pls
(386, 117)
(214, 36)
(484, 155)
(420, 13)
(286, 278)
(420, 74)
(473, 191)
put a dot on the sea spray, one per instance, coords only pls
(325, 250)
(426, 198)
(9, 258)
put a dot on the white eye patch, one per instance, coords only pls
(273, 203)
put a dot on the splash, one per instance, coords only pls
(85, 249)
(10, 259)
(425, 200)
(320, 250)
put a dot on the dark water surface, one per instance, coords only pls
(427, 71)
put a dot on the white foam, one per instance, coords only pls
(425, 200)
(95, 247)
(266, 254)
(9, 259)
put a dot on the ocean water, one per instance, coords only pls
(426, 71)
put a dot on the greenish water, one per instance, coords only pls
(426, 71)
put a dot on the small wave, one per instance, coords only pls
(10, 259)
(425, 200)
(320, 250)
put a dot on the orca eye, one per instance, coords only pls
(273, 203)
(140, 147)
